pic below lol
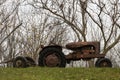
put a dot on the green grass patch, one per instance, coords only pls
(38, 73)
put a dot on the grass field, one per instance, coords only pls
(38, 73)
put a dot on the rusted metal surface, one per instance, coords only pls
(78, 45)
(52, 60)
(77, 56)
(84, 50)
(19, 63)
(104, 64)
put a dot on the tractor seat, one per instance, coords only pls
(76, 45)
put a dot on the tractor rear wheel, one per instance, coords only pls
(20, 62)
(52, 57)
(103, 62)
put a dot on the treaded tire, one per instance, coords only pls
(48, 52)
(30, 62)
(96, 63)
(20, 62)
(103, 62)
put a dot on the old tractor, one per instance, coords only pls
(53, 56)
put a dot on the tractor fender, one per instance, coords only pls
(52, 46)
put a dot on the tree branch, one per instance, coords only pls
(10, 33)
(112, 45)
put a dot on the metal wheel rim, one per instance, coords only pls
(104, 64)
(52, 60)
(19, 63)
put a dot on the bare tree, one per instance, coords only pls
(46, 22)
(90, 20)
(108, 18)
(66, 11)
(8, 25)
(69, 12)
(44, 33)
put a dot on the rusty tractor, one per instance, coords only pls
(52, 56)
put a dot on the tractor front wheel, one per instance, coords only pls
(103, 62)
